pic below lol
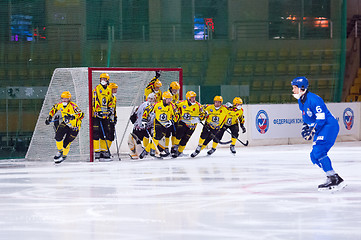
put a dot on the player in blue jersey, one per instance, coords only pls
(320, 124)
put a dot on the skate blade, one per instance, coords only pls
(105, 160)
(333, 188)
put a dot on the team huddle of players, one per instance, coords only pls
(163, 118)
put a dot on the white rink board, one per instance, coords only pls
(284, 125)
(285, 120)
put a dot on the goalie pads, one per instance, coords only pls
(134, 146)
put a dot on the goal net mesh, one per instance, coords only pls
(131, 85)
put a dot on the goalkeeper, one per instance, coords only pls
(320, 124)
(68, 129)
(191, 113)
(102, 132)
(141, 131)
(154, 87)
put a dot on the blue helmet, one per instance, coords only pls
(300, 82)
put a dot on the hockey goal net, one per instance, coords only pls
(80, 82)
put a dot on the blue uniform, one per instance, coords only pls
(315, 114)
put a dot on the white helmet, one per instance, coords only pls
(151, 97)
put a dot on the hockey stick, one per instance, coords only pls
(106, 143)
(243, 143)
(116, 142)
(214, 136)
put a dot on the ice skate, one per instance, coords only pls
(59, 160)
(233, 149)
(211, 151)
(175, 154)
(143, 154)
(58, 155)
(152, 152)
(196, 152)
(334, 182)
(105, 157)
(174, 149)
(97, 155)
(165, 153)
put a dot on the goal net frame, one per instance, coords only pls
(81, 81)
(110, 69)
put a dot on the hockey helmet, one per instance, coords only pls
(151, 97)
(190, 94)
(237, 100)
(104, 75)
(157, 74)
(157, 84)
(218, 98)
(113, 86)
(300, 82)
(66, 94)
(174, 85)
(166, 95)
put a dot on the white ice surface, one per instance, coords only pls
(261, 193)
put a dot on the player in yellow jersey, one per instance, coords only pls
(215, 119)
(191, 113)
(174, 90)
(113, 111)
(154, 87)
(164, 119)
(69, 126)
(102, 134)
(235, 117)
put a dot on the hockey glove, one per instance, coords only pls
(307, 132)
(228, 105)
(144, 124)
(168, 124)
(243, 128)
(48, 120)
(69, 117)
(100, 114)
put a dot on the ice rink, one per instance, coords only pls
(264, 192)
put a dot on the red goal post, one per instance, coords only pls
(168, 75)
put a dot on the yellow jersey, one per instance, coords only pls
(71, 109)
(188, 112)
(113, 107)
(102, 99)
(150, 89)
(162, 113)
(175, 97)
(234, 116)
(216, 117)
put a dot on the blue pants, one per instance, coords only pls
(322, 143)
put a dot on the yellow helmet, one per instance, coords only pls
(237, 100)
(65, 94)
(218, 98)
(157, 83)
(104, 75)
(166, 95)
(175, 85)
(113, 85)
(190, 94)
